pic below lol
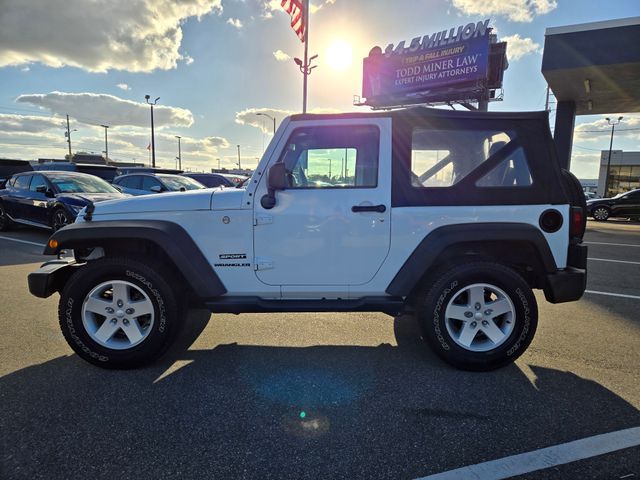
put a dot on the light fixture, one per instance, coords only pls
(589, 105)
(587, 85)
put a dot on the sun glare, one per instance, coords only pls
(339, 55)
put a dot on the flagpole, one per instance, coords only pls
(306, 53)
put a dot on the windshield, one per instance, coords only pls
(81, 184)
(175, 183)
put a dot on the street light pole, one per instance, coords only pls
(69, 137)
(153, 140)
(179, 153)
(106, 143)
(239, 164)
(606, 177)
(272, 118)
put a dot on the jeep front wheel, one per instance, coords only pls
(478, 316)
(119, 312)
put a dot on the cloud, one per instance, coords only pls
(250, 117)
(513, 10)
(599, 130)
(270, 6)
(100, 108)
(28, 123)
(518, 47)
(25, 69)
(136, 36)
(188, 60)
(123, 86)
(281, 56)
(235, 22)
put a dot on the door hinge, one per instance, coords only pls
(262, 220)
(263, 263)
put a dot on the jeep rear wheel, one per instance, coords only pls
(478, 316)
(119, 312)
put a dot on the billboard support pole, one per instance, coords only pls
(306, 55)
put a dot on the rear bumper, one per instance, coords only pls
(568, 285)
(51, 277)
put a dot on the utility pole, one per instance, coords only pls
(179, 153)
(239, 164)
(69, 137)
(153, 141)
(106, 143)
(546, 103)
(606, 177)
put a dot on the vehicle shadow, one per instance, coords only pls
(239, 411)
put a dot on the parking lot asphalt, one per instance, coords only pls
(319, 395)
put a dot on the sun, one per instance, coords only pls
(339, 55)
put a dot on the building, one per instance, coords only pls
(624, 172)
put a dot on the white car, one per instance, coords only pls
(456, 216)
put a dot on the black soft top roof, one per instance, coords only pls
(425, 112)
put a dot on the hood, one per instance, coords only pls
(227, 198)
(82, 198)
(161, 202)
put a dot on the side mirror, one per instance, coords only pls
(156, 189)
(276, 180)
(41, 189)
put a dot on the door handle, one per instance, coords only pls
(369, 208)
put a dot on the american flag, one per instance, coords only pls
(295, 8)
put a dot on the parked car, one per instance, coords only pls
(105, 172)
(626, 205)
(129, 170)
(9, 167)
(590, 195)
(50, 199)
(146, 183)
(460, 237)
(214, 179)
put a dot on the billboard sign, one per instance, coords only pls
(432, 67)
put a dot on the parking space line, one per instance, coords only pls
(613, 261)
(609, 294)
(545, 457)
(615, 244)
(22, 241)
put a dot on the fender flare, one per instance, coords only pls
(168, 236)
(428, 251)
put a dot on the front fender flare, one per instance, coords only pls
(168, 236)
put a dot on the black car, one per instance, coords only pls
(105, 172)
(622, 205)
(50, 199)
(212, 180)
(147, 183)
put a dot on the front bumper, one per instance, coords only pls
(51, 277)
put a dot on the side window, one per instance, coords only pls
(22, 182)
(131, 182)
(148, 182)
(38, 181)
(441, 158)
(332, 157)
(513, 171)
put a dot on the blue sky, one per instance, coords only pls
(212, 64)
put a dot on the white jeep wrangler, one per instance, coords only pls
(455, 215)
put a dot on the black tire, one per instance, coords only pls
(143, 275)
(5, 221)
(519, 326)
(60, 218)
(601, 214)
